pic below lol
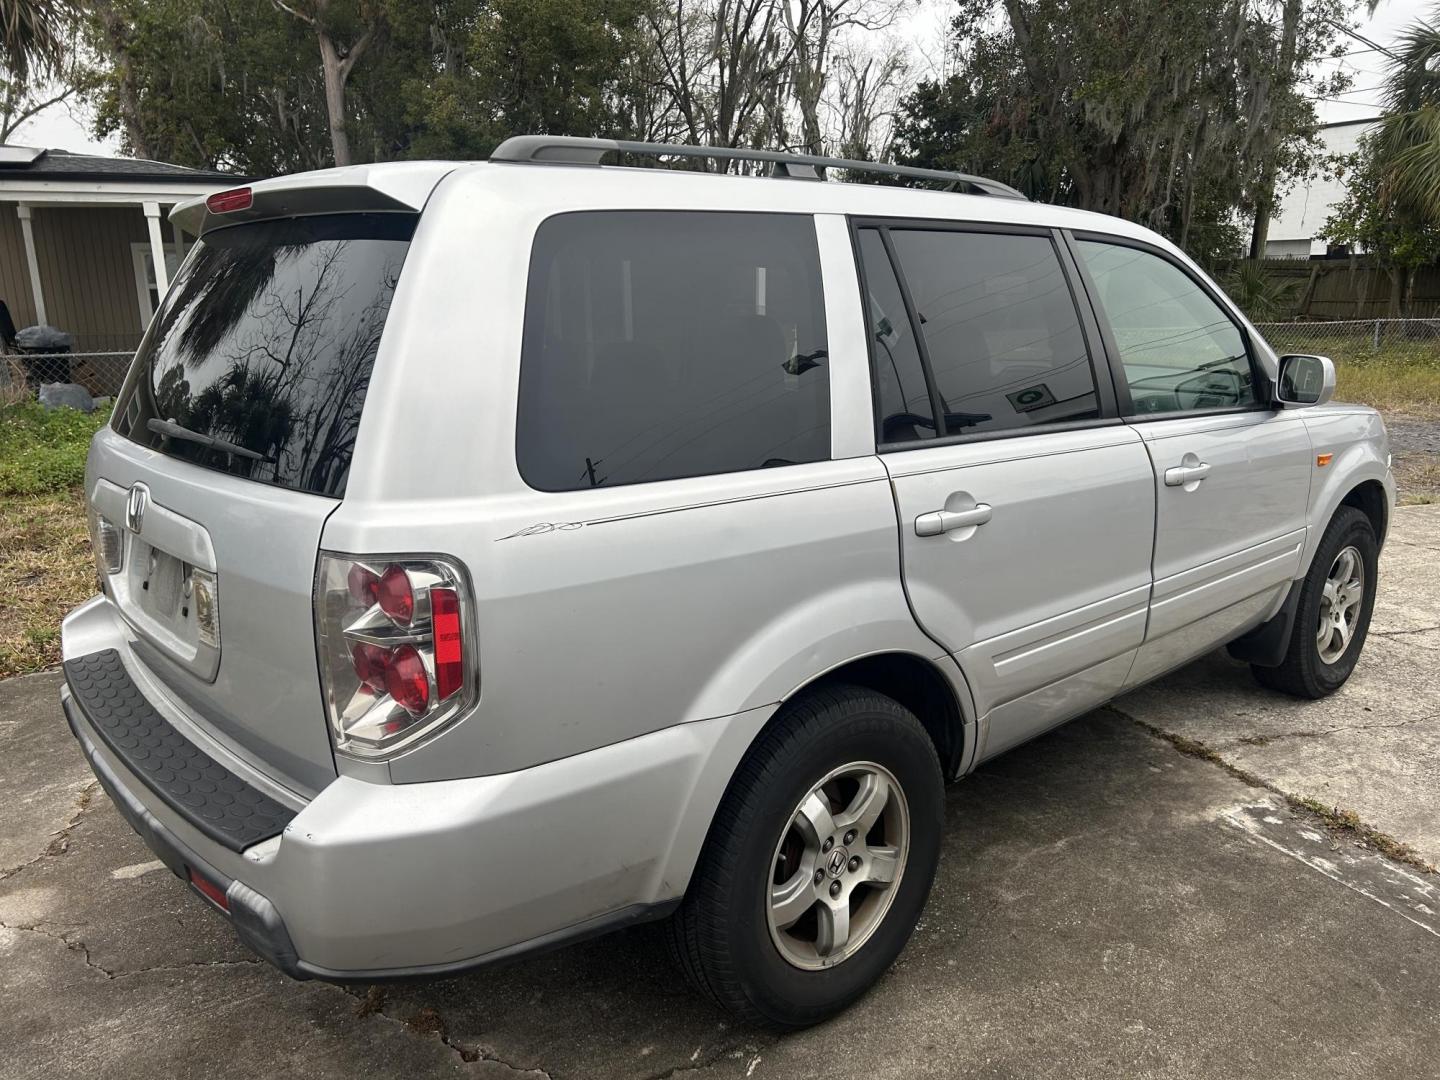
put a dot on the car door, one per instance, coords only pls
(1232, 473)
(1025, 506)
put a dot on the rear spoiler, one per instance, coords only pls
(397, 187)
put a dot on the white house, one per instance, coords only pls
(1296, 227)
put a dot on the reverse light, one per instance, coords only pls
(391, 634)
(364, 584)
(226, 202)
(108, 543)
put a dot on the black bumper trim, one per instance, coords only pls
(556, 939)
(255, 919)
(205, 793)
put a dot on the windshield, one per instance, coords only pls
(258, 362)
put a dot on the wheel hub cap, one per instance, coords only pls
(1340, 604)
(837, 865)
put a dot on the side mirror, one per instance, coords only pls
(1305, 380)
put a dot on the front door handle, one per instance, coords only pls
(1181, 475)
(942, 521)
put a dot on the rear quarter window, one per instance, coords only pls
(661, 344)
(266, 342)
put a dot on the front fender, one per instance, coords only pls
(1356, 437)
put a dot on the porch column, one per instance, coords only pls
(23, 210)
(157, 246)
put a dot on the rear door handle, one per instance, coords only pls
(1181, 475)
(942, 521)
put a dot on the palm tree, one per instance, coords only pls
(32, 34)
(1408, 143)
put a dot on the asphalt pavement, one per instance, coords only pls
(1133, 895)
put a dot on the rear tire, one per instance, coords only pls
(1333, 615)
(788, 919)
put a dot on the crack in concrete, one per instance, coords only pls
(1335, 819)
(79, 947)
(429, 1022)
(1265, 740)
(1403, 633)
(60, 839)
(697, 1063)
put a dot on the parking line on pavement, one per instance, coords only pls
(1373, 876)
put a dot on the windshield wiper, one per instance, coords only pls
(174, 431)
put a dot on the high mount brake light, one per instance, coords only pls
(392, 633)
(225, 202)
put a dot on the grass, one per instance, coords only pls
(45, 562)
(1417, 476)
(1399, 376)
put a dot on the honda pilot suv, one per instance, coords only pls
(496, 554)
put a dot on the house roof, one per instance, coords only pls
(28, 163)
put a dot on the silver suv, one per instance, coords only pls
(496, 554)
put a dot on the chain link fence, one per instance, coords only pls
(100, 373)
(1356, 339)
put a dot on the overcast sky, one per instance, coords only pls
(68, 127)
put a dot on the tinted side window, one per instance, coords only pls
(664, 344)
(1001, 329)
(1179, 349)
(902, 394)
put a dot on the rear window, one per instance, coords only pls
(260, 357)
(665, 344)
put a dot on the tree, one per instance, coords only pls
(563, 67)
(1171, 114)
(1398, 234)
(1406, 151)
(815, 29)
(344, 33)
(33, 35)
(770, 73)
(26, 93)
(208, 83)
(235, 83)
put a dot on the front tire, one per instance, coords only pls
(818, 863)
(1333, 616)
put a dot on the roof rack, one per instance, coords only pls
(573, 150)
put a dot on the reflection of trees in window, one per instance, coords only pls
(289, 346)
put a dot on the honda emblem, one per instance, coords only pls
(135, 504)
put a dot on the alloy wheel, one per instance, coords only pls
(837, 865)
(1340, 604)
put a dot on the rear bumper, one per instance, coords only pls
(373, 881)
(257, 923)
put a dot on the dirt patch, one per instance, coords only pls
(1415, 444)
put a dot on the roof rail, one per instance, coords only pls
(573, 150)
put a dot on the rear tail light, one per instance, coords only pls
(395, 596)
(392, 637)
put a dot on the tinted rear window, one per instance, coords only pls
(266, 341)
(665, 344)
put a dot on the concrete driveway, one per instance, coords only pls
(1132, 895)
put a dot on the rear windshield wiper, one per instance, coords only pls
(174, 431)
